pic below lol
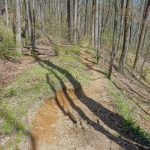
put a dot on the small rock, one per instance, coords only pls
(78, 125)
(98, 121)
(84, 125)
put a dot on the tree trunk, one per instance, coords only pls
(93, 22)
(113, 52)
(125, 39)
(6, 11)
(141, 36)
(121, 26)
(68, 20)
(71, 20)
(85, 20)
(75, 21)
(18, 26)
(32, 27)
(97, 29)
(28, 23)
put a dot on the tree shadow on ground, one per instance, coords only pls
(146, 86)
(134, 101)
(109, 118)
(125, 85)
(134, 95)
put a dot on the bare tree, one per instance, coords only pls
(125, 38)
(141, 36)
(97, 29)
(113, 52)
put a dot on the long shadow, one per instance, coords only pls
(131, 90)
(134, 78)
(18, 126)
(96, 126)
(147, 87)
(92, 68)
(65, 112)
(112, 120)
(137, 104)
(99, 71)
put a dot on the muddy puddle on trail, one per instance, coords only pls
(45, 123)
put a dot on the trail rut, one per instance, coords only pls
(81, 119)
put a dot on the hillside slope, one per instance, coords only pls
(82, 114)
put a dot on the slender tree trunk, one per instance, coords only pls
(86, 14)
(18, 26)
(32, 27)
(6, 11)
(41, 15)
(33, 8)
(68, 20)
(141, 36)
(79, 20)
(93, 22)
(71, 20)
(75, 22)
(97, 29)
(113, 52)
(126, 38)
(121, 26)
(28, 23)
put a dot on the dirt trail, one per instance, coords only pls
(81, 119)
(44, 123)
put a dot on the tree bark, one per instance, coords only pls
(93, 22)
(125, 39)
(113, 52)
(6, 11)
(68, 20)
(141, 36)
(18, 26)
(75, 21)
(97, 29)
(86, 15)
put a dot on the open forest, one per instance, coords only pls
(74, 74)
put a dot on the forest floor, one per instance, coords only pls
(85, 111)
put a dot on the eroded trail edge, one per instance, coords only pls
(81, 118)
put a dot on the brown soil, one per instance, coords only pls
(82, 119)
(44, 121)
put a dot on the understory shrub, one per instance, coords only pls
(7, 42)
